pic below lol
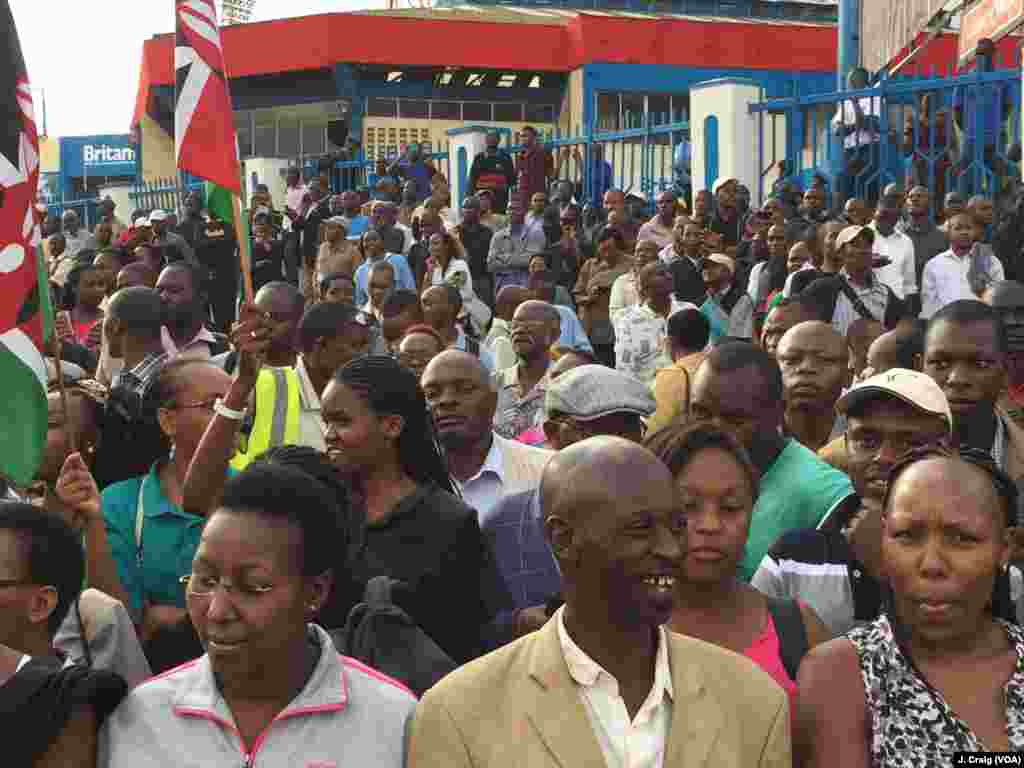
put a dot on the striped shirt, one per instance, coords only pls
(818, 566)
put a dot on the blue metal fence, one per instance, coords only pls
(167, 193)
(646, 158)
(954, 133)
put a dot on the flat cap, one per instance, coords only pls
(592, 391)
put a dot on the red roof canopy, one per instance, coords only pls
(319, 42)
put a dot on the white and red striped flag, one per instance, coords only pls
(204, 128)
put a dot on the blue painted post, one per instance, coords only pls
(848, 56)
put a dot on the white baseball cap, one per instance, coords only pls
(916, 389)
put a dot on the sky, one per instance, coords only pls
(85, 57)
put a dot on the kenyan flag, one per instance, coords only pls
(25, 314)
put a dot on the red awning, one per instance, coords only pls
(320, 42)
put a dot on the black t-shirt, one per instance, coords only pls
(477, 242)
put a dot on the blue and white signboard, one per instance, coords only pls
(94, 156)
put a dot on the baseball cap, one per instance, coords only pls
(725, 261)
(141, 221)
(158, 215)
(592, 391)
(853, 232)
(916, 389)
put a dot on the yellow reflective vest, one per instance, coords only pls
(276, 418)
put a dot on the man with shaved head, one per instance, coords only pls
(486, 466)
(536, 327)
(813, 359)
(603, 670)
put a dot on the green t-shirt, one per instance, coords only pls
(170, 538)
(797, 491)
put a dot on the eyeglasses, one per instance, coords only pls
(204, 586)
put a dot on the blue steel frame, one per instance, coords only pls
(918, 140)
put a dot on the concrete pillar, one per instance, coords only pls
(464, 144)
(724, 134)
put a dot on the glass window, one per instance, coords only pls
(607, 111)
(414, 108)
(381, 108)
(314, 138)
(476, 110)
(680, 106)
(265, 139)
(540, 113)
(446, 110)
(632, 110)
(659, 105)
(288, 136)
(508, 113)
(243, 129)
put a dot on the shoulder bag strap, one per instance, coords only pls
(855, 300)
(790, 629)
(140, 519)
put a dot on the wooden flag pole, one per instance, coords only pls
(244, 255)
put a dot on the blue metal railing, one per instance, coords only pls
(642, 158)
(957, 133)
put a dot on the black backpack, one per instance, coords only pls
(383, 636)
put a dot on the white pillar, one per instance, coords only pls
(725, 101)
(464, 144)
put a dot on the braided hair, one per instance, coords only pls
(389, 388)
(1002, 606)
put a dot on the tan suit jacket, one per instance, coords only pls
(519, 708)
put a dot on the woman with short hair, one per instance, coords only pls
(270, 689)
(942, 670)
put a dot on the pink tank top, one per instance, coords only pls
(764, 652)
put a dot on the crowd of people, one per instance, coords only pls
(533, 483)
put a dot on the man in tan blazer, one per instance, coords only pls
(603, 677)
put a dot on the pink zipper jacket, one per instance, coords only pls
(347, 715)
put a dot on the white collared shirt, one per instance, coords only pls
(484, 490)
(945, 281)
(311, 424)
(637, 744)
(901, 274)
